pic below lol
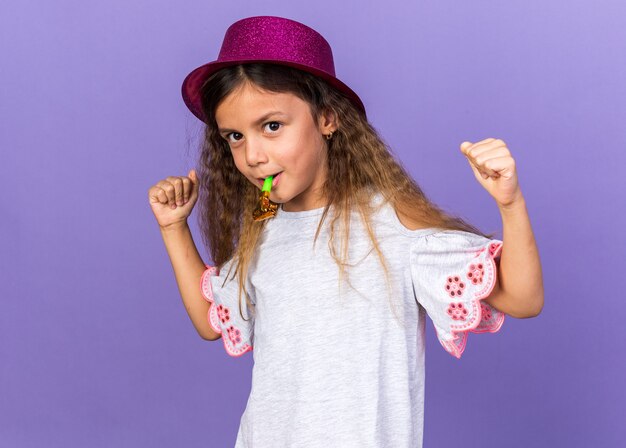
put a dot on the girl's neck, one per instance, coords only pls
(299, 214)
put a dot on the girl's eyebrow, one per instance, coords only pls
(258, 121)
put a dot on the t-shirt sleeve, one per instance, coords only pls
(452, 271)
(224, 315)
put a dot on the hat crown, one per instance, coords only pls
(276, 39)
(269, 39)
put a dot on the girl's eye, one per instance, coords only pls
(268, 123)
(228, 135)
(273, 122)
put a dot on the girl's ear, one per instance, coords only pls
(328, 121)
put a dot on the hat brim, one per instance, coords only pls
(194, 81)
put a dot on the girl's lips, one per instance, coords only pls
(274, 181)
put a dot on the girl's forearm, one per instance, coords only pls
(188, 269)
(519, 273)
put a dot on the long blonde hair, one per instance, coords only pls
(359, 162)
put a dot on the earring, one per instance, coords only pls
(329, 136)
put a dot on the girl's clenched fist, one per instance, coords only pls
(173, 198)
(494, 168)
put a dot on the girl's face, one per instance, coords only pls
(271, 133)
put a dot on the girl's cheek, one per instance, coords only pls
(240, 161)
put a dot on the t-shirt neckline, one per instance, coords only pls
(282, 214)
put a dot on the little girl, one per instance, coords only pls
(332, 291)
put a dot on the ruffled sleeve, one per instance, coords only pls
(452, 271)
(224, 316)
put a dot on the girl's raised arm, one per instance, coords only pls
(172, 200)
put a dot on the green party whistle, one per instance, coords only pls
(265, 208)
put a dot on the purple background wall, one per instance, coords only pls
(96, 347)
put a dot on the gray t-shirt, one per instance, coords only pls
(347, 370)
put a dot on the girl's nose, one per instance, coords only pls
(255, 153)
